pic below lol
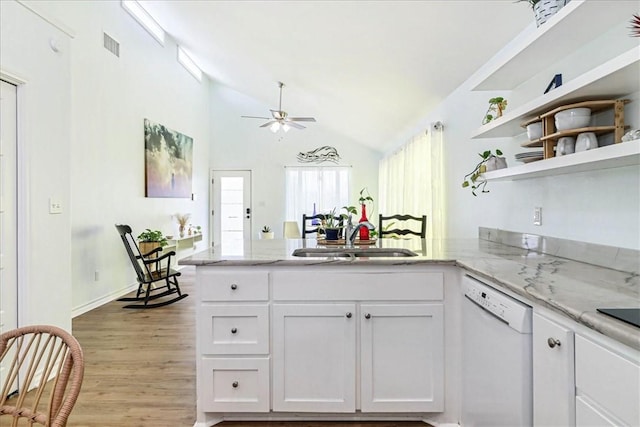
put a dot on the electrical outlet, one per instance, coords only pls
(537, 216)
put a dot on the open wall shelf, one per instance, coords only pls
(575, 25)
(613, 79)
(610, 156)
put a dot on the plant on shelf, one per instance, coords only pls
(543, 10)
(266, 232)
(182, 222)
(266, 229)
(474, 179)
(152, 236)
(497, 106)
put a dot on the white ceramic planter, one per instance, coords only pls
(545, 9)
(267, 236)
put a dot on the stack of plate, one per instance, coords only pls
(530, 156)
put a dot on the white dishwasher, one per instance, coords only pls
(497, 388)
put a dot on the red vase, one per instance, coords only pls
(364, 231)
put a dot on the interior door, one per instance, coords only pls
(231, 209)
(8, 210)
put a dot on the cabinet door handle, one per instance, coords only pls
(234, 330)
(367, 316)
(552, 342)
(349, 315)
(235, 384)
(234, 287)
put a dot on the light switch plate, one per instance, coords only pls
(55, 206)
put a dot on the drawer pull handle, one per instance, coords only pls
(235, 384)
(552, 342)
(234, 330)
(349, 315)
(234, 287)
(367, 316)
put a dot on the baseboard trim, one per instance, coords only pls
(77, 311)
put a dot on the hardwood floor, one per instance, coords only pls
(140, 368)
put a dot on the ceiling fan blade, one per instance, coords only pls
(254, 117)
(269, 123)
(301, 119)
(295, 125)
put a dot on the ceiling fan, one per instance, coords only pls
(280, 119)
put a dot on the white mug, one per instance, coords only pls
(566, 145)
(586, 141)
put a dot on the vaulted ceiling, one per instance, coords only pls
(369, 70)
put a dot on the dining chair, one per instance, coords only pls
(415, 223)
(44, 368)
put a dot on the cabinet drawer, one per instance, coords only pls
(233, 286)
(608, 379)
(314, 285)
(234, 385)
(234, 329)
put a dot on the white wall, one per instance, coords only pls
(43, 153)
(598, 207)
(240, 143)
(110, 98)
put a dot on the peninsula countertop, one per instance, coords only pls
(572, 288)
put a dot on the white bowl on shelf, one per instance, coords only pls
(573, 118)
(534, 131)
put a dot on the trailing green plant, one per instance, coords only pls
(153, 236)
(474, 178)
(266, 229)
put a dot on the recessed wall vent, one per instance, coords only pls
(111, 45)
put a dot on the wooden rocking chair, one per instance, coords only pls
(150, 269)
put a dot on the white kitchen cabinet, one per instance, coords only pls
(607, 383)
(553, 373)
(401, 354)
(314, 357)
(317, 340)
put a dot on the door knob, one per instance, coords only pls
(349, 315)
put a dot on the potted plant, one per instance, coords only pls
(489, 161)
(497, 106)
(545, 9)
(266, 232)
(331, 225)
(365, 197)
(149, 239)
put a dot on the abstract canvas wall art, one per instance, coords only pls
(168, 161)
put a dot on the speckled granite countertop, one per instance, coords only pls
(575, 289)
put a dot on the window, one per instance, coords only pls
(326, 187)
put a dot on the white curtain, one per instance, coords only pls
(325, 186)
(411, 181)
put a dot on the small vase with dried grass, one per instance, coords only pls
(182, 219)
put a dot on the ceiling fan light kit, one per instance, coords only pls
(280, 119)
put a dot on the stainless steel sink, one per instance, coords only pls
(353, 252)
